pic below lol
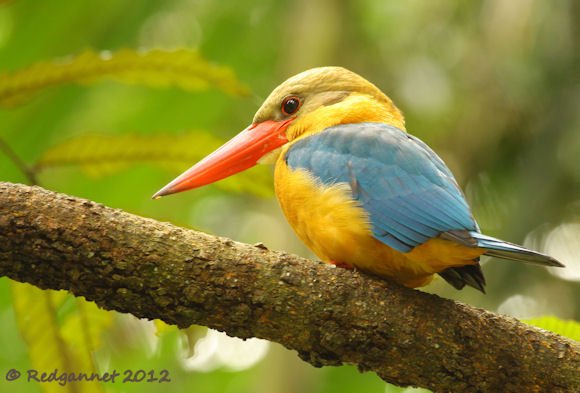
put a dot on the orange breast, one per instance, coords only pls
(337, 229)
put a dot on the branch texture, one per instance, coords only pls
(330, 316)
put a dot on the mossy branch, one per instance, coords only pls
(330, 316)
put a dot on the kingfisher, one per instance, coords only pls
(356, 188)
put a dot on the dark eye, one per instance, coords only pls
(290, 105)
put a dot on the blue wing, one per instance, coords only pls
(407, 190)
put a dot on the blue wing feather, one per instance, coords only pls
(407, 190)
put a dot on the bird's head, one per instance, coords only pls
(304, 104)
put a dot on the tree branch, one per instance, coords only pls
(330, 316)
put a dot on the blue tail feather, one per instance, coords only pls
(502, 249)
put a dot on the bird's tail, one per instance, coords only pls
(502, 249)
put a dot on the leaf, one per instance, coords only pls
(83, 331)
(100, 155)
(36, 315)
(566, 328)
(182, 68)
(162, 327)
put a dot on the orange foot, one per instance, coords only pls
(343, 265)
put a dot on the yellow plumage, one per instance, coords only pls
(328, 217)
(332, 225)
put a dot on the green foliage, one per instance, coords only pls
(100, 155)
(65, 345)
(83, 330)
(182, 68)
(496, 116)
(570, 329)
(60, 332)
(67, 341)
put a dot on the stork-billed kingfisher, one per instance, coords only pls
(355, 186)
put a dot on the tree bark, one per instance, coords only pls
(329, 316)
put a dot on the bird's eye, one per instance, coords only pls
(290, 105)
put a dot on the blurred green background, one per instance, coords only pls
(492, 86)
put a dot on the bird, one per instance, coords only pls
(358, 189)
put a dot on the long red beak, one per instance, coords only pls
(240, 153)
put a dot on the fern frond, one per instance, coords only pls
(100, 155)
(54, 344)
(183, 68)
(83, 331)
(36, 315)
(35, 312)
